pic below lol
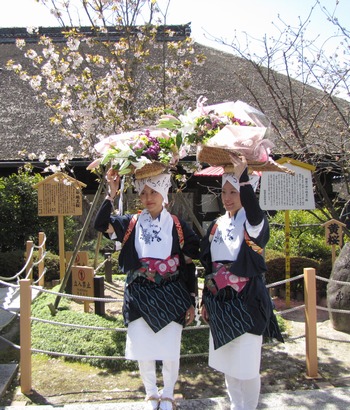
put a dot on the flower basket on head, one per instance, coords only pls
(143, 153)
(221, 157)
(221, 129)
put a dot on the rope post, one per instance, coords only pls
(108, 267)
(99, 292)
(29, 254)
(41, 255)
(25, 335)
(310, 322)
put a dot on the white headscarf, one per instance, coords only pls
(232, 179)
(160, 183)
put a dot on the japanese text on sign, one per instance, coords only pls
(83, 281)
(280, 191)
(56, 198)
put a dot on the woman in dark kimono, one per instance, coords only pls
(236, 303)
(156, 257)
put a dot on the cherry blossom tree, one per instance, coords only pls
(305, 84)
(114, 77)
(119, 67)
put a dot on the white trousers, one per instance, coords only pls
(244, 394)
(170, 372)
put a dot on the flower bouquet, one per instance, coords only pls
(218, 130)
(144, 153)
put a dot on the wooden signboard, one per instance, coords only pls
(334, 235)
(83, 283)
(59, 195)
(81, 259)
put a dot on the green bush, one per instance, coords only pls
(52, 265)
(307, 236)
(11, 263)
(19, 220)
(276, 272)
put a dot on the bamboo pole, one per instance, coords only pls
(29, 258)
(287, 250)
(61, 246)
(41, 264)
(25, 336)
(80, 240)
(310, 322)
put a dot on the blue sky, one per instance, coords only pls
(218, 18)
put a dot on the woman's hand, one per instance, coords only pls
(204, 314)
(190, 315)
(240, 164)
(113, 180)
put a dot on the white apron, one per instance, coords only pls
(143, 344)
(240, 358)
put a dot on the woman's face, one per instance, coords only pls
(152, 201)
(231, 198)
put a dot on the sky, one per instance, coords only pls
(209, 18)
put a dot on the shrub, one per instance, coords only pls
(52, 265)
(307, 236)
(19, 206)
(276, 272)
(11, 263)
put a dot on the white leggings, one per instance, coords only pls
(244, 394)
(170, 372)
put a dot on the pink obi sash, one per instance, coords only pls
(162, 266)
(222, 277)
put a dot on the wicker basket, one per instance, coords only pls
(150, 170)
(221, 157)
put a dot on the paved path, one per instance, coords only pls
(327, 399)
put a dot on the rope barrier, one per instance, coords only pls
(197, 325)
(78, 297)
(333, 310)
(42, 245)
(100, 266)
(283, 312)
(281, 282)
(339, 282)
(42, 275)
(10, 343)
(115, 329)
(8, 285)
(29, 258)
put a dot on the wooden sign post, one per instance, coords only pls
(60, 195)
(283, 192)
(334, 235)
(83, 283)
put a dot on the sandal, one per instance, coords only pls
(152, 402)
(167, 404)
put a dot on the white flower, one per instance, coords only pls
(42, 156)
(73, 43)
(32, 156)
(35, 82)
